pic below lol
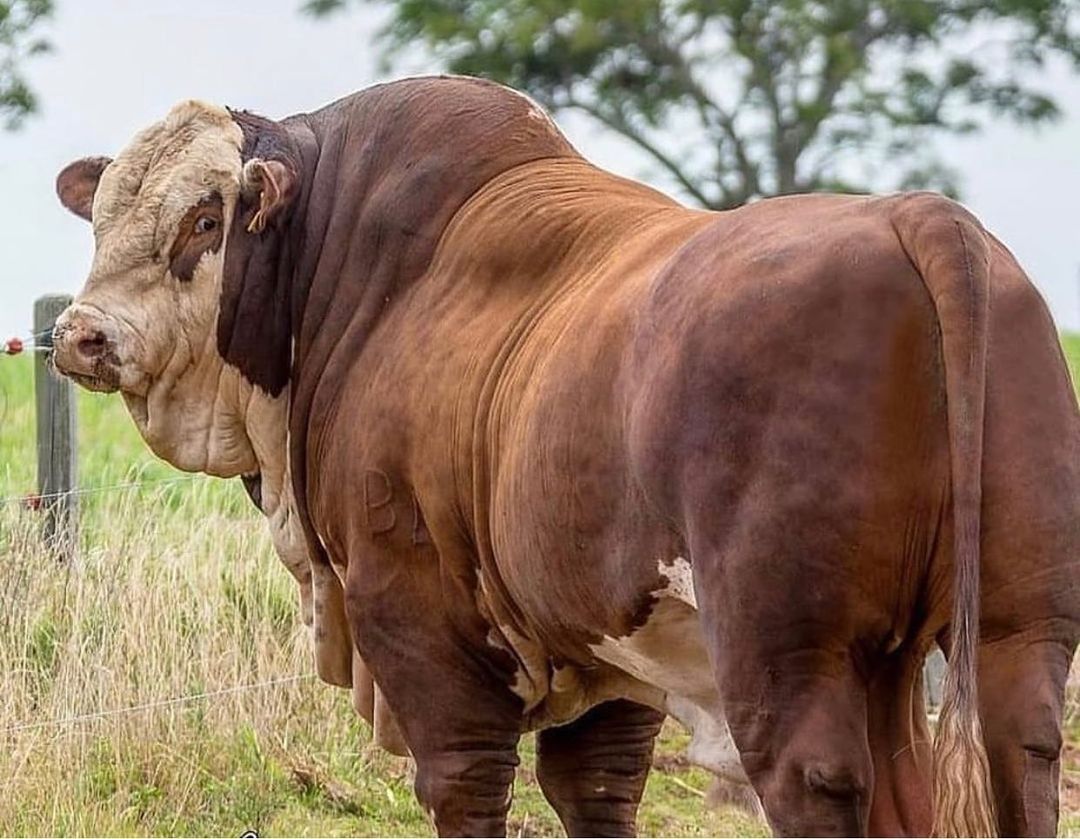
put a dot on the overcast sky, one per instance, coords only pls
(120, 64)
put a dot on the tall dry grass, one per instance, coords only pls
(172, 596)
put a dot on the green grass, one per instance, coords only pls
(1071, 343)
(177, 592)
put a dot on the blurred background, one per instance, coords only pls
(716, 101)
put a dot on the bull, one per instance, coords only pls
(548, 451)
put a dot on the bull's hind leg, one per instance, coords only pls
(794, 692)
(795, 705)
(593, 770)
(900, 743)
(1021, 688)
(1030, 553)
(802, 738)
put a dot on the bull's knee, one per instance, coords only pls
(465, 793)
(808, 757)
(1024, 752)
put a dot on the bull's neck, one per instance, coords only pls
(382, 173)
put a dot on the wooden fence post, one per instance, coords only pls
(56, 446)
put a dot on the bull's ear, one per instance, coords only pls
(273, 184)
(77, 183)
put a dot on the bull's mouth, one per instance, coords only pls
(98, 384)
(102, 377)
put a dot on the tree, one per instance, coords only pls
(18, 19)
(735, 99)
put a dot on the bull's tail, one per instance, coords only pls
(949, 249)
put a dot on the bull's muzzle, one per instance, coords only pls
(84, 349)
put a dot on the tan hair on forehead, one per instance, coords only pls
(196, 141)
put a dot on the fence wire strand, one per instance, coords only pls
(149, 706)
(21, 499)
(32, 343)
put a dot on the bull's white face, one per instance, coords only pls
(145, 321)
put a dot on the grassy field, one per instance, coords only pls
(176, 594)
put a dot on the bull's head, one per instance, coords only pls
(145, 321)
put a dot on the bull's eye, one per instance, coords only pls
(205, 224)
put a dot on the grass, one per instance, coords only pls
(1071, 343)
(176, 593)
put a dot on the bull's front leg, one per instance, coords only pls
(593, 770)
(447, 686)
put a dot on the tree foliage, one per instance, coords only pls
(18, 21)
(735, 99)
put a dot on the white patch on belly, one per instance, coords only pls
(663, 664)
(680, 581)
(668, 652)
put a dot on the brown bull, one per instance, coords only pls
(580, 456)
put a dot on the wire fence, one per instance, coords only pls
(93, 716)
(40, 342)
(93, 490)
(36, 342)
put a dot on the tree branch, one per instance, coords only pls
(620, 125)
(712, 117)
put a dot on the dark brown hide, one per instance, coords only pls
(519, 383)
(254, 329)
(593, 771)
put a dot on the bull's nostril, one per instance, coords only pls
(94, 346)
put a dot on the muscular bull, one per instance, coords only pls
(570, 456)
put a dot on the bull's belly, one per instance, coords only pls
(667, 654)
(662, 663)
